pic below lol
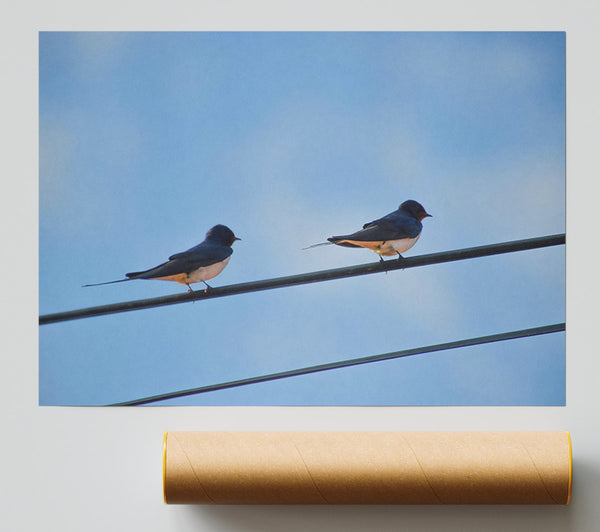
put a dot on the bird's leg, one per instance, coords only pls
(383, 261)
(189, 287)
(208, 287)
(400, 257)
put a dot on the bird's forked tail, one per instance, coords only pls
(107, 282)
(318, 245)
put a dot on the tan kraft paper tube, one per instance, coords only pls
(367, 467)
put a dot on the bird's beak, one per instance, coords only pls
(236, 238)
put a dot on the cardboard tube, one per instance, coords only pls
(367, 468)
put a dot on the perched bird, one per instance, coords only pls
(197, 264)
(393, 234)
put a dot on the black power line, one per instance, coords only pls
(351, 362)
(312, 277)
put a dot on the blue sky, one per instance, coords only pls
(147, 140)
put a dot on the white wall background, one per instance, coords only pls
(97, 469)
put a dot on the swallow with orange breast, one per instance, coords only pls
(198, 264)
(393, 234)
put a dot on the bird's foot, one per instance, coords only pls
(381, 259)
(208, 287)
(400, 258)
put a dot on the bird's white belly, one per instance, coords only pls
(387, 247)
(207, 272)
(197, 276)
(393, 247)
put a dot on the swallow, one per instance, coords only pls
(197, 264)
(393, 234)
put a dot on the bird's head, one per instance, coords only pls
(222, 234)
(415, 209)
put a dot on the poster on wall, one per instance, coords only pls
(182, 164)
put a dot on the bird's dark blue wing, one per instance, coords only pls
(385, 229)
(186, 262)
(206, 255)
